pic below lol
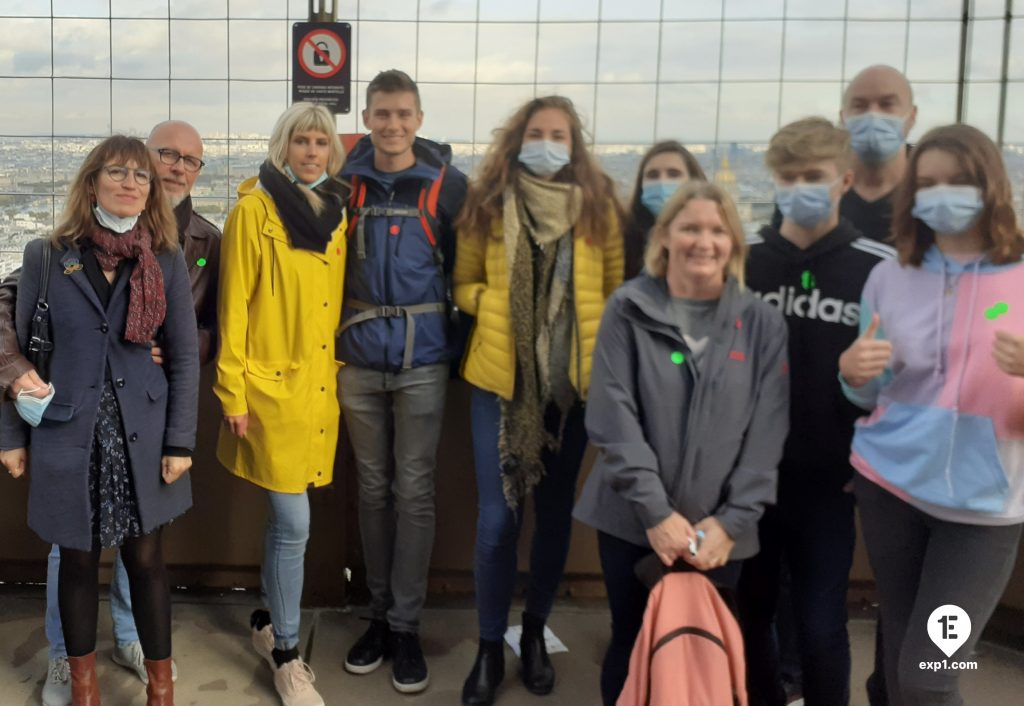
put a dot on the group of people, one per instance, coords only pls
(721, 384)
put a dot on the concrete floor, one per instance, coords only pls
(218, 668)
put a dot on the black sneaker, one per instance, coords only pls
(409, 669)
(370, 650)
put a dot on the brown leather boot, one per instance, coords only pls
(160, 690)
(85, 689)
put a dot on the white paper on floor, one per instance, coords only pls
(551, 640)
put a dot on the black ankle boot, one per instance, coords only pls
(536, 670)
(487, 673)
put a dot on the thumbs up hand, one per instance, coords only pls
(1008, 350)
(866, 358)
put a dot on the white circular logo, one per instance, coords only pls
(949, 626)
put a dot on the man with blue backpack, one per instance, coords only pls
(397, 340)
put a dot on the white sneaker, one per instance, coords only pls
(130, 657)
(57, 689)
(263, 643)
(294, 683)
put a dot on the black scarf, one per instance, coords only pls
(307, 230)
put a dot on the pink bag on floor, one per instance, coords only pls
(689, 651)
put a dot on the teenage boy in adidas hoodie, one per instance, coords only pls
(813, 267)
(397, 343)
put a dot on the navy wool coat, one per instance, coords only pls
(158, 404)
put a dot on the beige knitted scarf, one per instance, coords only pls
(544, 213)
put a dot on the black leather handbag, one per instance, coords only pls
(40, 342)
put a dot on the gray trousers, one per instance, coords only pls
(394, 424)
(921, 563)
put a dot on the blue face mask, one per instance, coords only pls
(543, 157)
(116, 224)
(295, 180)
(31, 408)
(807, 205)
(875, 137)
(654, 194)
(948, 209)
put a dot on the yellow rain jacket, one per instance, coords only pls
(278, 309)
(481, 280)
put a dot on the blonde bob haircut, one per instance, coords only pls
(306, 117)
(656, 255)
(77, 219)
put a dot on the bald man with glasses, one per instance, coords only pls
(177, 160)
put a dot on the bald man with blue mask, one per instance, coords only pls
(879, 112)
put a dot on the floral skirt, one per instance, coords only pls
(115, 509)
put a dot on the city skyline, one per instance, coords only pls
(717, 75)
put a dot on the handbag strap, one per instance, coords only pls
(44, 278)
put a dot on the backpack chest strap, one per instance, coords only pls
(368, 312)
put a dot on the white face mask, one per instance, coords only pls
(295, 180)
(31, 408)
(544, 157)
(117, 224)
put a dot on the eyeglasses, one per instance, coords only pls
(142, 176)
(171, 157)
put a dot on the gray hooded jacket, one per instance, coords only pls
(671, 437)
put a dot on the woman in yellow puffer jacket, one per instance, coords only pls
(539, 252)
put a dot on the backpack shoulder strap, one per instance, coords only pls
(427, 205)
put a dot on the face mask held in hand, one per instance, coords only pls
(31, 408)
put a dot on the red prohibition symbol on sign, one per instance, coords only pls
(322, 54)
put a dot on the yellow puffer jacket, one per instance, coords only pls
(482, 290)
(277, 311)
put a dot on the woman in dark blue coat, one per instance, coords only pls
(112, 434)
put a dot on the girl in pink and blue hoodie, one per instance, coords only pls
(940, 367)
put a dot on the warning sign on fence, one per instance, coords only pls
(321, 71)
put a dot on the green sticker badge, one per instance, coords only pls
(201, 262)
(996, 310)
(807, 280)
(677, 357)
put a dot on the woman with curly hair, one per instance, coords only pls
(539, 252)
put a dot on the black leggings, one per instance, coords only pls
(78, 595)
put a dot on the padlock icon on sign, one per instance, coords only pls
(320, 57)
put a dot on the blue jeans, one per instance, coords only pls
(284, 552)
(814, 530)
(120, 606)
(498, 527)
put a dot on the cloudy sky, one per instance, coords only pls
(696, 70)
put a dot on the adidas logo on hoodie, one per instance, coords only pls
(811, 305)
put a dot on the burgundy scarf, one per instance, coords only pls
(146, 303)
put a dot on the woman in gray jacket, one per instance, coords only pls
(112, 437)
(688, 408)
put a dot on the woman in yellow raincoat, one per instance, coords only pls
(282, 271)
